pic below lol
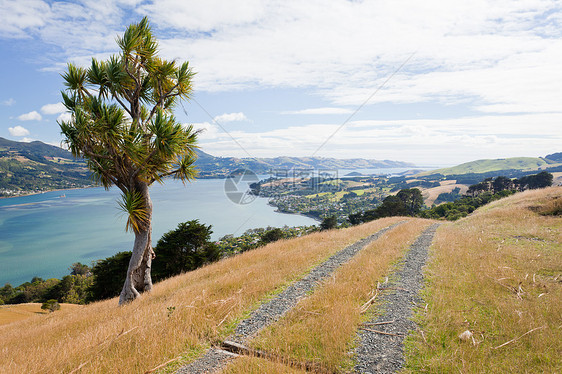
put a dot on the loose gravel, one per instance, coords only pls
(379, 353)
(274, 309)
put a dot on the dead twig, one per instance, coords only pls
(309, 312)
(366, 306)
(381, 332)
(516, 339)
(377, 323)
(225, 317)
(162, 365)
(393, 288)
(240, 349)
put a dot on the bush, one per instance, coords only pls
(329, 223)
(74, 289)
(272, 235)
(78, 268)
(108, 276)
(183, 249)
(51, 305)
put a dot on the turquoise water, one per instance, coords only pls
(42, 235)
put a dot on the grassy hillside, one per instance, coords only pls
(484, 166)
(497, 274)
(36, 166)
(18, 312)
(220, 166)
(180, 318)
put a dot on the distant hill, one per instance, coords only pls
(221, 166)
(491, 165)
(36, 166)
(555, 157)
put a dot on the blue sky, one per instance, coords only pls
(480, 79)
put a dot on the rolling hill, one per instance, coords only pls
(495, 274)
(36, 166)
(221, 166)
(490, 165)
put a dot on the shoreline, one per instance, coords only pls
(42, 192)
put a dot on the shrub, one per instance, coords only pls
(272, 235)
(51, 305)
(183, 249)
(329, 223)
(108, 276)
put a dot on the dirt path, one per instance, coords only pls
(382, 350)
(216, 358)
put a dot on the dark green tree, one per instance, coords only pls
(391, 206)
(78, 268)
(183, 249)
(122, 125)
(329, 223)
(272, 235)
(108, 276)
(51, 305)
(502, 183)
(74, 289)
(412, 199)
(7, 292)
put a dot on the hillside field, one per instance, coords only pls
(488, 165)
(496, 273)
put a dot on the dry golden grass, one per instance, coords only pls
(497, 273)
(254, 365)
(431, 194)
(322, 327)
(557, 179)
(105, 338)
(18, 312)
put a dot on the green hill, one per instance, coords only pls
(485, 166)
(36, 166)
(210, 166)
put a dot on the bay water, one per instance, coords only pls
(42, 235)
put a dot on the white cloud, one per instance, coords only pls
(18, 16)
(345, 50)
(208, 131)
(500, 57)
(419, 141)
(320, 111)
(18, 131)
(31, 116)
(27, 140)
(9, 102)
(504, 54)
(53, 108)
(64, 117)
(231, 117)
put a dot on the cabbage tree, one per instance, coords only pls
(122, 125)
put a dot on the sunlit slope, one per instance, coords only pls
(180, 318)
(497, 274)
(484, 166)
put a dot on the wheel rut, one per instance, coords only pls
(216, 358)
(381, 342)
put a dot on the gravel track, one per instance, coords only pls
(274, 309)
(379, 353)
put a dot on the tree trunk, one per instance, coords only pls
(138, 275)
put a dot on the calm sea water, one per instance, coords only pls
(42, 235)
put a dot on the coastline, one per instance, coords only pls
(293, 214)
(42, 192)
(75, 188)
